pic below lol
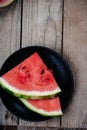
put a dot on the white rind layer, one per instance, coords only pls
(40, 111)
(7, 3)
(20, 93)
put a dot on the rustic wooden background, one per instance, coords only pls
(60, 25)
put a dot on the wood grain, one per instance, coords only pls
(75, 51)
(9, 42)
(36, 128)
(42, 25)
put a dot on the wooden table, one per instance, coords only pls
(59, 25)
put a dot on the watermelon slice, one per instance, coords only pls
(45, 107)
(30, 79)
(4, 3)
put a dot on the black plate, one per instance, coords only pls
(62, 74)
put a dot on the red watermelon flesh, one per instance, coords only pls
(45, 107)
(4, 3)
(30, 79)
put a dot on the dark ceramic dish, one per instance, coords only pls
(62, 74)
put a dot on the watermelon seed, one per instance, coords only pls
(23, 67)
(27, 71)
(28, 75)
(45, 80)
(43, 71)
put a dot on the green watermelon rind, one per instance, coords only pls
(24, 94)
(40, 111)
(6, 4)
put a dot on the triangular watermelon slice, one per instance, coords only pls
(45, 107)
(30, 79)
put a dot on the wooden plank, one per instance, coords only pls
(22, 128)
(36, 128)
(10, 128)
(42, 25)
(9, 42)
(75, 51)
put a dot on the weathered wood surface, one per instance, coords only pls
(9, 42)
(40, 22)
(36, 128)
(75, 51)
